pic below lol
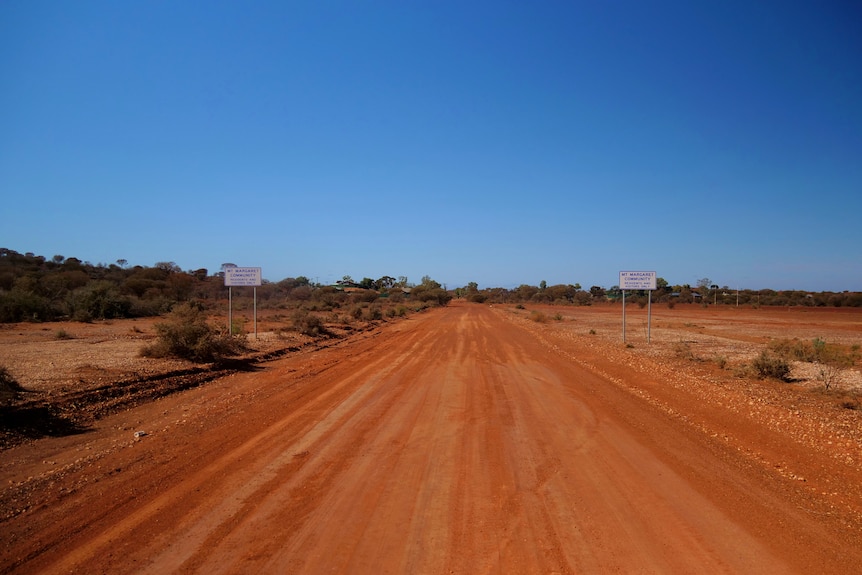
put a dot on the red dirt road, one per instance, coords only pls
(452, 442)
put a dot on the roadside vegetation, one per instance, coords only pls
(36, 288)
(39, 289)
(705, 293)
(776, 361)
(185, 334)
(829, 360)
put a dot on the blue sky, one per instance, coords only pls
(497, 142)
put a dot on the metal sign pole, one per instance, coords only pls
(230, 310)
(255, 312)
(649, 316)
(624, 316)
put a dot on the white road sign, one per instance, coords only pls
(236, 276)
(637, 280)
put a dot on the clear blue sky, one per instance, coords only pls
(489, 141)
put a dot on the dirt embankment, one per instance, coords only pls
(467, 439)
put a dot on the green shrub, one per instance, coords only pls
(374, 313)
(308, 324)
(149, 307)
(186, 335)
(99, 300)
(431, 295)
(815, 351)
(796, 349)
(19, 305)
(365, 296)
(769, 365)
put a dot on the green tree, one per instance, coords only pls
(430, 291)
(385, 283)
(598, 292)
(703, 289)
(526, 292)
(98, 300)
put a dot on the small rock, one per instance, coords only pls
(139, 434)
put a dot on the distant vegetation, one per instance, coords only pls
(705, 293)
(36, 288)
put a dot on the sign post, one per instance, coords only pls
(237, 276)
(638, 281)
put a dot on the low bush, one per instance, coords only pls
(365, 296)
(308, 324)
(828, 375)
(769, 365)
(682, 350)
(187, 335)
(814, 351)
(149, 307)
(374, 313)
(18, 305)
(797, 349)
(539, 317)
(99, 300)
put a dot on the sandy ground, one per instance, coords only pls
(469, 439)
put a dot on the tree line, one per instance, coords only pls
(36, 288)
(704, 293)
